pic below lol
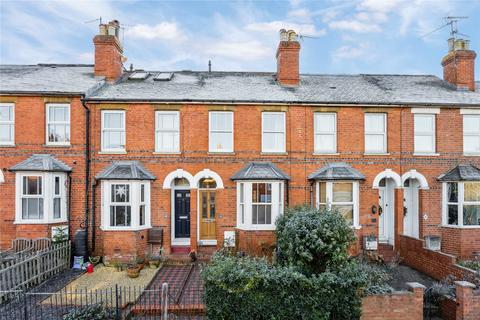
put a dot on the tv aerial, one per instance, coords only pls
(452, 22)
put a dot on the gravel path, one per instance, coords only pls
(403, 274)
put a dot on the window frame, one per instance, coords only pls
(211, 130)
(159, 131)
(461, 203)
(277, 197)
(329, 198)
(49, 122)
(432, 134)
(284, 132)
(48, 196)
(316, 133)
(122, 131)
(376, 133)
(474, 134)
(135, 202)
(10, 123)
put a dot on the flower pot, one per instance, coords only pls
(154, 264)
(133, 272)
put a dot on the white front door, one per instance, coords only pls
(410, 214)
(386, 232)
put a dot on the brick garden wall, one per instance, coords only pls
(466, 305)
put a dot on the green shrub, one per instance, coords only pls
(313, 240)
(250, 288)
(471, 264)
(94, 312)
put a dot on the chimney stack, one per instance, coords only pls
(288, 59)
(108, 51)
(459, 64)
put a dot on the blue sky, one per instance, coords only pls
(362, 36)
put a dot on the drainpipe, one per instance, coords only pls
(69, 203)
(94, 185)
(87, 168)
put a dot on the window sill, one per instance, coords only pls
(221, 153)
(103, 228)
(166, 153)
(376, 154)
(263, 153)
(461, 227)
(264, 228)
(7, 145)
(57, 145)
(471, 154)
(40, 222)
(326, 154)
(112, 152)
(419, 154)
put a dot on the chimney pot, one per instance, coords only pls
(288, 59)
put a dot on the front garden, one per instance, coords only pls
(311, 275)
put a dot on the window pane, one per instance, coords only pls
(221, 121)
(6, 133)
(471, 143)
(273, 122)
(424, 123)
(32, 208)
(342, 192)
(453, 214)
(57, 211)
(254, 213)
(120, 216)
(167, 121)
(113, 120)
(452, 192)
(471, 215)
(471, 124)
(6, 113)
(58, 113)
(142, 215)
(120, 193)
(274, 142)
(346, 211)
(58, 133)
(424, 143)
(374, 143)
(325, 142)
(261, 214)
(220, 141)
(32, 185)
(323, 192)
(375, 123)
(57, 186)
(113, 140)
(324, 123)
(142, 193)
(168, 141)
(472, 191)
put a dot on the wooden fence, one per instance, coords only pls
(29, 269)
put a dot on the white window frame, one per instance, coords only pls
(10, 123)
(48, 194)
(375, 133)
(329, 198)
(284, 132)
(461, 202)
(122, 131)
(472, 134)
(318, 132)
(421, 132)
(159, 131)
(135, 185)
(277, 204)
(211, 147)
(64, 123)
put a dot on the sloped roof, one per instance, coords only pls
(462, 172)
(337, 171)
(125, 170)
(260, 87)
(41, 162)
(260, 171)
(48, 78)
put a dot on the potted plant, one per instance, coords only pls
(94, 260)
(140, 262)
(133, 270)
(117, 265)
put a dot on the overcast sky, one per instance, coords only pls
(361, 36)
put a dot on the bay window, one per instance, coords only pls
(259, 203)
(126, 205)
(461, 204)
(341, 196)
(7, 124)
(41, 197)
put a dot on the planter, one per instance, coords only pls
(133, 271)
(154, 264)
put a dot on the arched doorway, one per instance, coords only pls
(412, 183)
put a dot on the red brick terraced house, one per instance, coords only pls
(215, 157)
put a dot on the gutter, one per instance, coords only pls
(87, 168)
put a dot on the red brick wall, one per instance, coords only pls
(29, 139)
(108, 57)
(459, 68)
(124, 246)
(395, 306)
(288, 62)
(463, 243)
(468, 301)
(255, 243)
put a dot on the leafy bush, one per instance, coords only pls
(250, 288)
(471, 264)
(93, 312)
(313, 240)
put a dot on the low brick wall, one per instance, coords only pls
(437, 265)
(462, 243)
(396, 306)
(255, 243)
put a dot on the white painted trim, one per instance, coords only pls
(461, 203)
(284, 133)
(179, 173)
(2, 178)
(232, 140)
(11, 122)
(103, 149)
(207, 173)
(414, 174)
(469, 111)
(47, 122)
(158, 131)
(387, 173)
(426, 110)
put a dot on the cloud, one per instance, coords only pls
(162, 31)
(350, 52)
(273, 27)
(248, 50)
(355, 26)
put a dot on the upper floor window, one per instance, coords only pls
(58, 124)
(424, 133)
(471, 134)
(375, 133)
(167, 131)
(325, 129)
(41, 197)
(273, 132)
(259, 203)
(461, 203)
(221, 131)
(113, 130)
(7, 124)
(341, 196)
